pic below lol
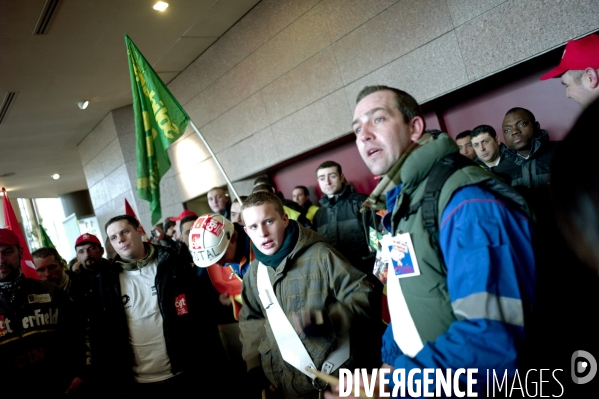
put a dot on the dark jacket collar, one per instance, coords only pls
(537, 145)
(343, 194)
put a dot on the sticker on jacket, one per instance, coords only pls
(3, 329)
(181, 305)
(39, 298)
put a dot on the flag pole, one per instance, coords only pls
(216, 160)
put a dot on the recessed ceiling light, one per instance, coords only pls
(160, 6)
(56, 176)
(83, 104)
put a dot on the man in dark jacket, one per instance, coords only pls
(529, 147)
(527, 161)
(42, 347)
(491, 153)
(339, 220)
(150, 331)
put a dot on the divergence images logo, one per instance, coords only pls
(583, 367)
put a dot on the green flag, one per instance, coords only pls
(46, 241)
(159, 121)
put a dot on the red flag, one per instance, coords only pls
(11, 223)
(129, 211)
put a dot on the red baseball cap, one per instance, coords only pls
(8, 237)
(87, 238)
(578, 55)
(184, 214)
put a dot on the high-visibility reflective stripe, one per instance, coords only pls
(484, 305)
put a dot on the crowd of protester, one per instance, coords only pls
(487, 242)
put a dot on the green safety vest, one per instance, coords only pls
(427, 295)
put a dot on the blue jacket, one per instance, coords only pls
(487, 249)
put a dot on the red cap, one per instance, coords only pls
(578, 55)
(184, 214)
(87, 238)
(8, 237)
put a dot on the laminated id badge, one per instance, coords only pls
(401, 255)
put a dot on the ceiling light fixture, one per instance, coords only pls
(160, 6)
(56, 176)
(83, 104)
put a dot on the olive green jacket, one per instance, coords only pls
(314, 275)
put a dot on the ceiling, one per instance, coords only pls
(82, 56)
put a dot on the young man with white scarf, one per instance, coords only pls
(301, 300)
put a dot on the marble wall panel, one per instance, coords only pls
(197, 111)
(111, 157)
(317, 124)
(198, 179)
(231, 89)
(258, 26)
(518, 30)
(117, 182)
(236, 124)
(250, 155)
(402, 28)
(310, 81)
(97, 139)
(169, 191)
(464, 10)
(441, 59)
(99, 194)
(93, 172)
(343, 16)
(186, 152)
(295, 44)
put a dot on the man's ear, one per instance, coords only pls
(285, 220)
(416, 126)
(342, 177)
(590, 78)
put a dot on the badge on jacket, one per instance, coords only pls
(401, 255)
(39, 298)
(181, 305)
